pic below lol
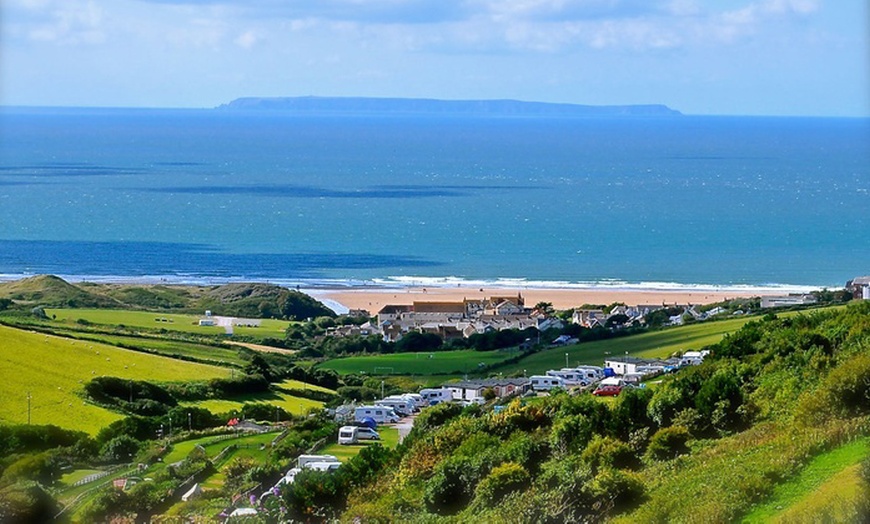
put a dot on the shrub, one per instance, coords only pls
(448, 492)
(844, 392)
(501, 481)
(608, 452)
(120, 449)
(667, 443)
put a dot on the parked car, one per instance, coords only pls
(607, 391)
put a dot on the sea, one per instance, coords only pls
(211, 196)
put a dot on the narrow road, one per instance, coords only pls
(404, 426)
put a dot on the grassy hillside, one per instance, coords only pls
(49, 290)
(777, 418)
(255, 300)
(53, 369)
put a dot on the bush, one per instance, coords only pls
(608, 452)
(844, 392)
(500, 482)
(121, 449)
(448, 492)
(667, 443)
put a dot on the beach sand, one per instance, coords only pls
(372, 300)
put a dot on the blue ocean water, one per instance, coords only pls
(203, 194)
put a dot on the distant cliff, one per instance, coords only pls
(422, 106)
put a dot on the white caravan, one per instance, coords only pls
(402, 406)
(436, 396)
(546, 383)
(380, 414)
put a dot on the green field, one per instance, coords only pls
(290, 404)
(52, 370)
(170, 322)
(435, 363)
(165, 346)
(298, 384)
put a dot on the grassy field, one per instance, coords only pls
(170, 322)
(165, 346)
(298, 384)
(53, 369)
(290, 404)
(436, 363)
(802, 492)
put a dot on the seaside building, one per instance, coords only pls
(859, 287)
(786, 300)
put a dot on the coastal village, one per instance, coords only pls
(470, 316)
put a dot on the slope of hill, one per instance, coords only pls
(49, 290)
(711, 442)
(242, 300)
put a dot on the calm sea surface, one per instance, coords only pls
(204, 194)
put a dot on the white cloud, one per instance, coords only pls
(247, 40)
(63, 22)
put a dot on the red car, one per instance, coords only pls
(607, 391)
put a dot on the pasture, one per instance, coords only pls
(52, 370)
(269, 328)
(429, 363)
(165, 346)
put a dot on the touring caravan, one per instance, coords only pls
(401, 406)
(380, 414)
(546, 383)
(436, 395)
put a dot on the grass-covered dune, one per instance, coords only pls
(53, 370)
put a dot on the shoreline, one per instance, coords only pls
(373, 300)
(372, 294)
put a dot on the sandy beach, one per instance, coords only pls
(372, 300)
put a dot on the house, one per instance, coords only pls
(860, 287)
(786, 300)
(589, 318)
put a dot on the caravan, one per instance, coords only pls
(354, 434)
(402, 406)
(436, 396)
(380, 414)
(546, 383)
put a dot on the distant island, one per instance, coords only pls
(422, 106)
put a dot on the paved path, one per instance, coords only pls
(404, 426)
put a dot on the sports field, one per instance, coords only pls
(52, 370)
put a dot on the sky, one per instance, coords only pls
(721, 57)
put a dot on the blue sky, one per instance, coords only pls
(741, 57)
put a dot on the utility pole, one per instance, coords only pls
(28, 407)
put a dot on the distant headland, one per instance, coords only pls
(424, 106)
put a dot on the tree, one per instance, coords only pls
(545, 307)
